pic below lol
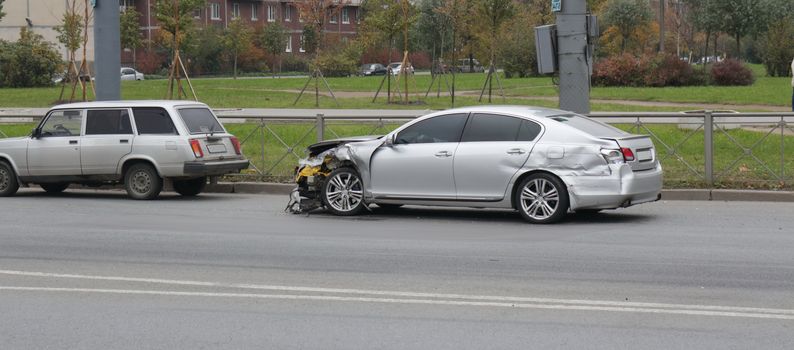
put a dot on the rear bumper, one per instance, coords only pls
(215, 167)
(623, 188)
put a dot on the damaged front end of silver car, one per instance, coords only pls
(323, 158)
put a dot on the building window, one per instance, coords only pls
(271, 13)
(288, 14)
(334, 17)
(301, 49)
(216, 11)
(345, 16)
(197, 14)
(254, 11)
(235, 10)
(358, 16)
(289, 44)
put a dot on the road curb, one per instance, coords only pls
(667, 194)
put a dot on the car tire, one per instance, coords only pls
(8, 180)
(142, 182)
(542, 198)
(343, 192)
(190, 188)
(55, 187)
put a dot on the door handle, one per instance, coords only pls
(124, 141)
(443, 154)
(518, 151)
(72, 142)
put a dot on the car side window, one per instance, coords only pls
(529, 131)
(491, 127)
(127, 71)
(153, 121)
(445, 128)
(62, 124)
(108, 122)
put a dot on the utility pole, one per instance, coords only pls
(573, 57)
(107, 50)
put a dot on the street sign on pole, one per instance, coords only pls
(556, 5)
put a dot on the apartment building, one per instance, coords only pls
(255, 13)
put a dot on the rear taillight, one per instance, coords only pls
(196, 147)
(628, 155)
(236, 144)
(612, 156)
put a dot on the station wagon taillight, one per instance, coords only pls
(628, 155)
(236, 144)
(196, 147)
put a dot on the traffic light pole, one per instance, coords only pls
(107, 50)
(572, 56)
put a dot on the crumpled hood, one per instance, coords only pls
(323, 146)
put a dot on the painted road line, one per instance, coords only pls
(405, 301)
(402, 294)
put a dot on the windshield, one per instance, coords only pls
(200, 121)
(588, 125)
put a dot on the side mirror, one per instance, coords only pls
(389, 142)
(36, 133)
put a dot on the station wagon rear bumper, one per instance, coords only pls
(215, 167)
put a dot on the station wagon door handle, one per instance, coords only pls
(72, 142)
(516, 151)
(443, 154)
(124, 141)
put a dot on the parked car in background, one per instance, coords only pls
(135, 143)
(541, 162)
(396, 66)
(469, 66)
(130, 74)
(371, 69)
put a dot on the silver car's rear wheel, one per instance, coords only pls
(343, 192)
(542, 199)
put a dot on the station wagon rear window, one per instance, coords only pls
(200, 121)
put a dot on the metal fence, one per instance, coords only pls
(697, 149)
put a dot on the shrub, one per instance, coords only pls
(619, 70)
(30, 61)
(731, 72)
(335, 64)
(294, 63)
(654, 70)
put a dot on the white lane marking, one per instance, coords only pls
(402, 294)
(405, 301)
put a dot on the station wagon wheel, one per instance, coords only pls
(343, 192)
(142, 182)
(542, 199)
(8, 180)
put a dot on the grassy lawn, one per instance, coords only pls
(683, 168)
(357, 92)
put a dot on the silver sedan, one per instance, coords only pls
(544, 163)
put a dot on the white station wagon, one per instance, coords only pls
(135, 143)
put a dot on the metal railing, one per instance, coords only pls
(697, 149)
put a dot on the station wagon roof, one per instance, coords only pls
(129, 103)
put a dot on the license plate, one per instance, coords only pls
(219, 148)
(644, 155)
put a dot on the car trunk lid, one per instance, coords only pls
(642, 149)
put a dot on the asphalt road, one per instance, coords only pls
(94, 270)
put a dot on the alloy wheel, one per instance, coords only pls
(540, 199)
(344, 192)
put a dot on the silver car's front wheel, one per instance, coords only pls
(343, 192)
(542, 199)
